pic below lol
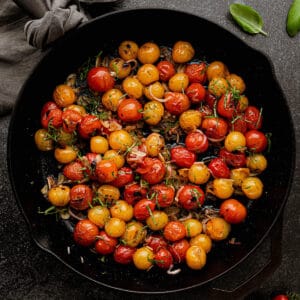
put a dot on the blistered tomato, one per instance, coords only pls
(182, 157)
(99, 79)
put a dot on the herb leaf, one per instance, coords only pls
(247, 17)
(293, 19)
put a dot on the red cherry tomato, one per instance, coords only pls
(176, 103)
(81, 195)
(133, 192)
(210, 99)
(89, 162)
(178, 250)
(106, 171)
(85, 233)
(143, 208)
(99, 79)
(196, 72)
(166, 70)
(71, 119)
(152, 170)
(123, 176)
(239, 124)
(105, 244)
(174, 231)
(162, 194)
(47, 107)
(225, 106)
(256, 141)
(253, 117)
(236, 160)
(214, 127)
(74, 171)
(233, 211)
(129, 110)
(123, 254)
(196, 141)
(182, 157)
(53, 117)
(190, 196)
(196, 92)
(136, 155)
(89, 126)
(280, 297)
(205, 110)
(156, 242)
(163, 258)
(218, 168)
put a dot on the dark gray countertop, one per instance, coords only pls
(26, 272)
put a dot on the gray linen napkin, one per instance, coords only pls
(17, 57)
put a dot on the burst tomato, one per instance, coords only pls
(218, 168)
(123, 254)
(253, 117)
(162, 194)
(225, 106)
(71, 119)
(89, 126)
(196, 141)
(133, 192)
(196, 72)
(196, 92)
(143, 209)
(182, 157)
(176, 103)
(81, 196)
(123, 176)
(166, 70)
(163, 258)
(52, 117)
(174, 231)
(236, 160)
(178, 250)
(156, 242)
(190, 196)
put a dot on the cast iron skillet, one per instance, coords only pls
(28, 167)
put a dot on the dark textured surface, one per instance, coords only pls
(26, 272)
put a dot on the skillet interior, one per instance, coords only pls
(28, 167)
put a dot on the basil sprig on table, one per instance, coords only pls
(293, 19)
(247, 17)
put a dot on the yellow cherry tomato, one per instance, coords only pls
(115, 227)
(99, 215)
(198, 173)
(202, 240)
(64, 95)
(238, 175)
(143, 258)
(148, 53)
(65, 155)
(59, 195)
(120, 140)
(120, 67)
(117, 158)
(111, 99)
(128, 50)
(98, 144)
(42, 140)
(235, 141)
(122, 210)
(78, 108)
(256, 162)
(182, 52)
(217, 229)
(154, 144)
(190, 119)
(236, 82)
(193, 227)
(216, 69)
(252, 187)
(195, 257)
(223, 188)
(157, 220)
(133, 87)
(147, 74)
(154, 91)
(108, 193)
(218, 86)
(153, 112)
(134, 234)
(178, 82)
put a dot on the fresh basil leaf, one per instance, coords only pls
(247, 17)
(293, 19)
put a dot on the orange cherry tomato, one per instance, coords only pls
(129, 110)
(106, 170)
(85, 233)
(174, 231)
(233, 211)
(176, 103)
(99, 79)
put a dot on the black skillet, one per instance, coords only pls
(28, 167)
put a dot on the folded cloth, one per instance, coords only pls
(53, 19)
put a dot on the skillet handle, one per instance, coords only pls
(257, 277)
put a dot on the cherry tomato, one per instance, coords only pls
(129, 110)
(71, 119)
(216, 69)
(99, 215)
(253, 117)
(133, 192)
(115, 227)
(281, 297)
(123, 254)
(210, 99)
(236, 160)
(64, 95)
(226, 107)
(156, 242)
(163, 258)
(90, 161)
(143, 258)
(162, 194)
(182, 52)
(89, 126)
(147, 74)
(74, 171)
(239, 124)
(136, 155)
(148, 53)
(233, 211)
(52, 117)
(196, 72)
(178, 250)
(42, 140)
(198, 173)
(59, 195)
(123, 176)
(152, 170)
(135, 233)
(182, 157)
(196, 92)
(196, 141)
(176, 103)
(166, 70)
(122, 210)
(105, 244)
(128, 50)
(195, 257)
(217, 229)
(106, 171)
(218, 168)
(81, 195)
(174, 231)
(190, 196)
(99, 79)
(85, 233)
(143, 209)
(256, 141)
(214, 127)
(157, 220)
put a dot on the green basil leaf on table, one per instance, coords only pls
(247, 17)
(293, 19)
